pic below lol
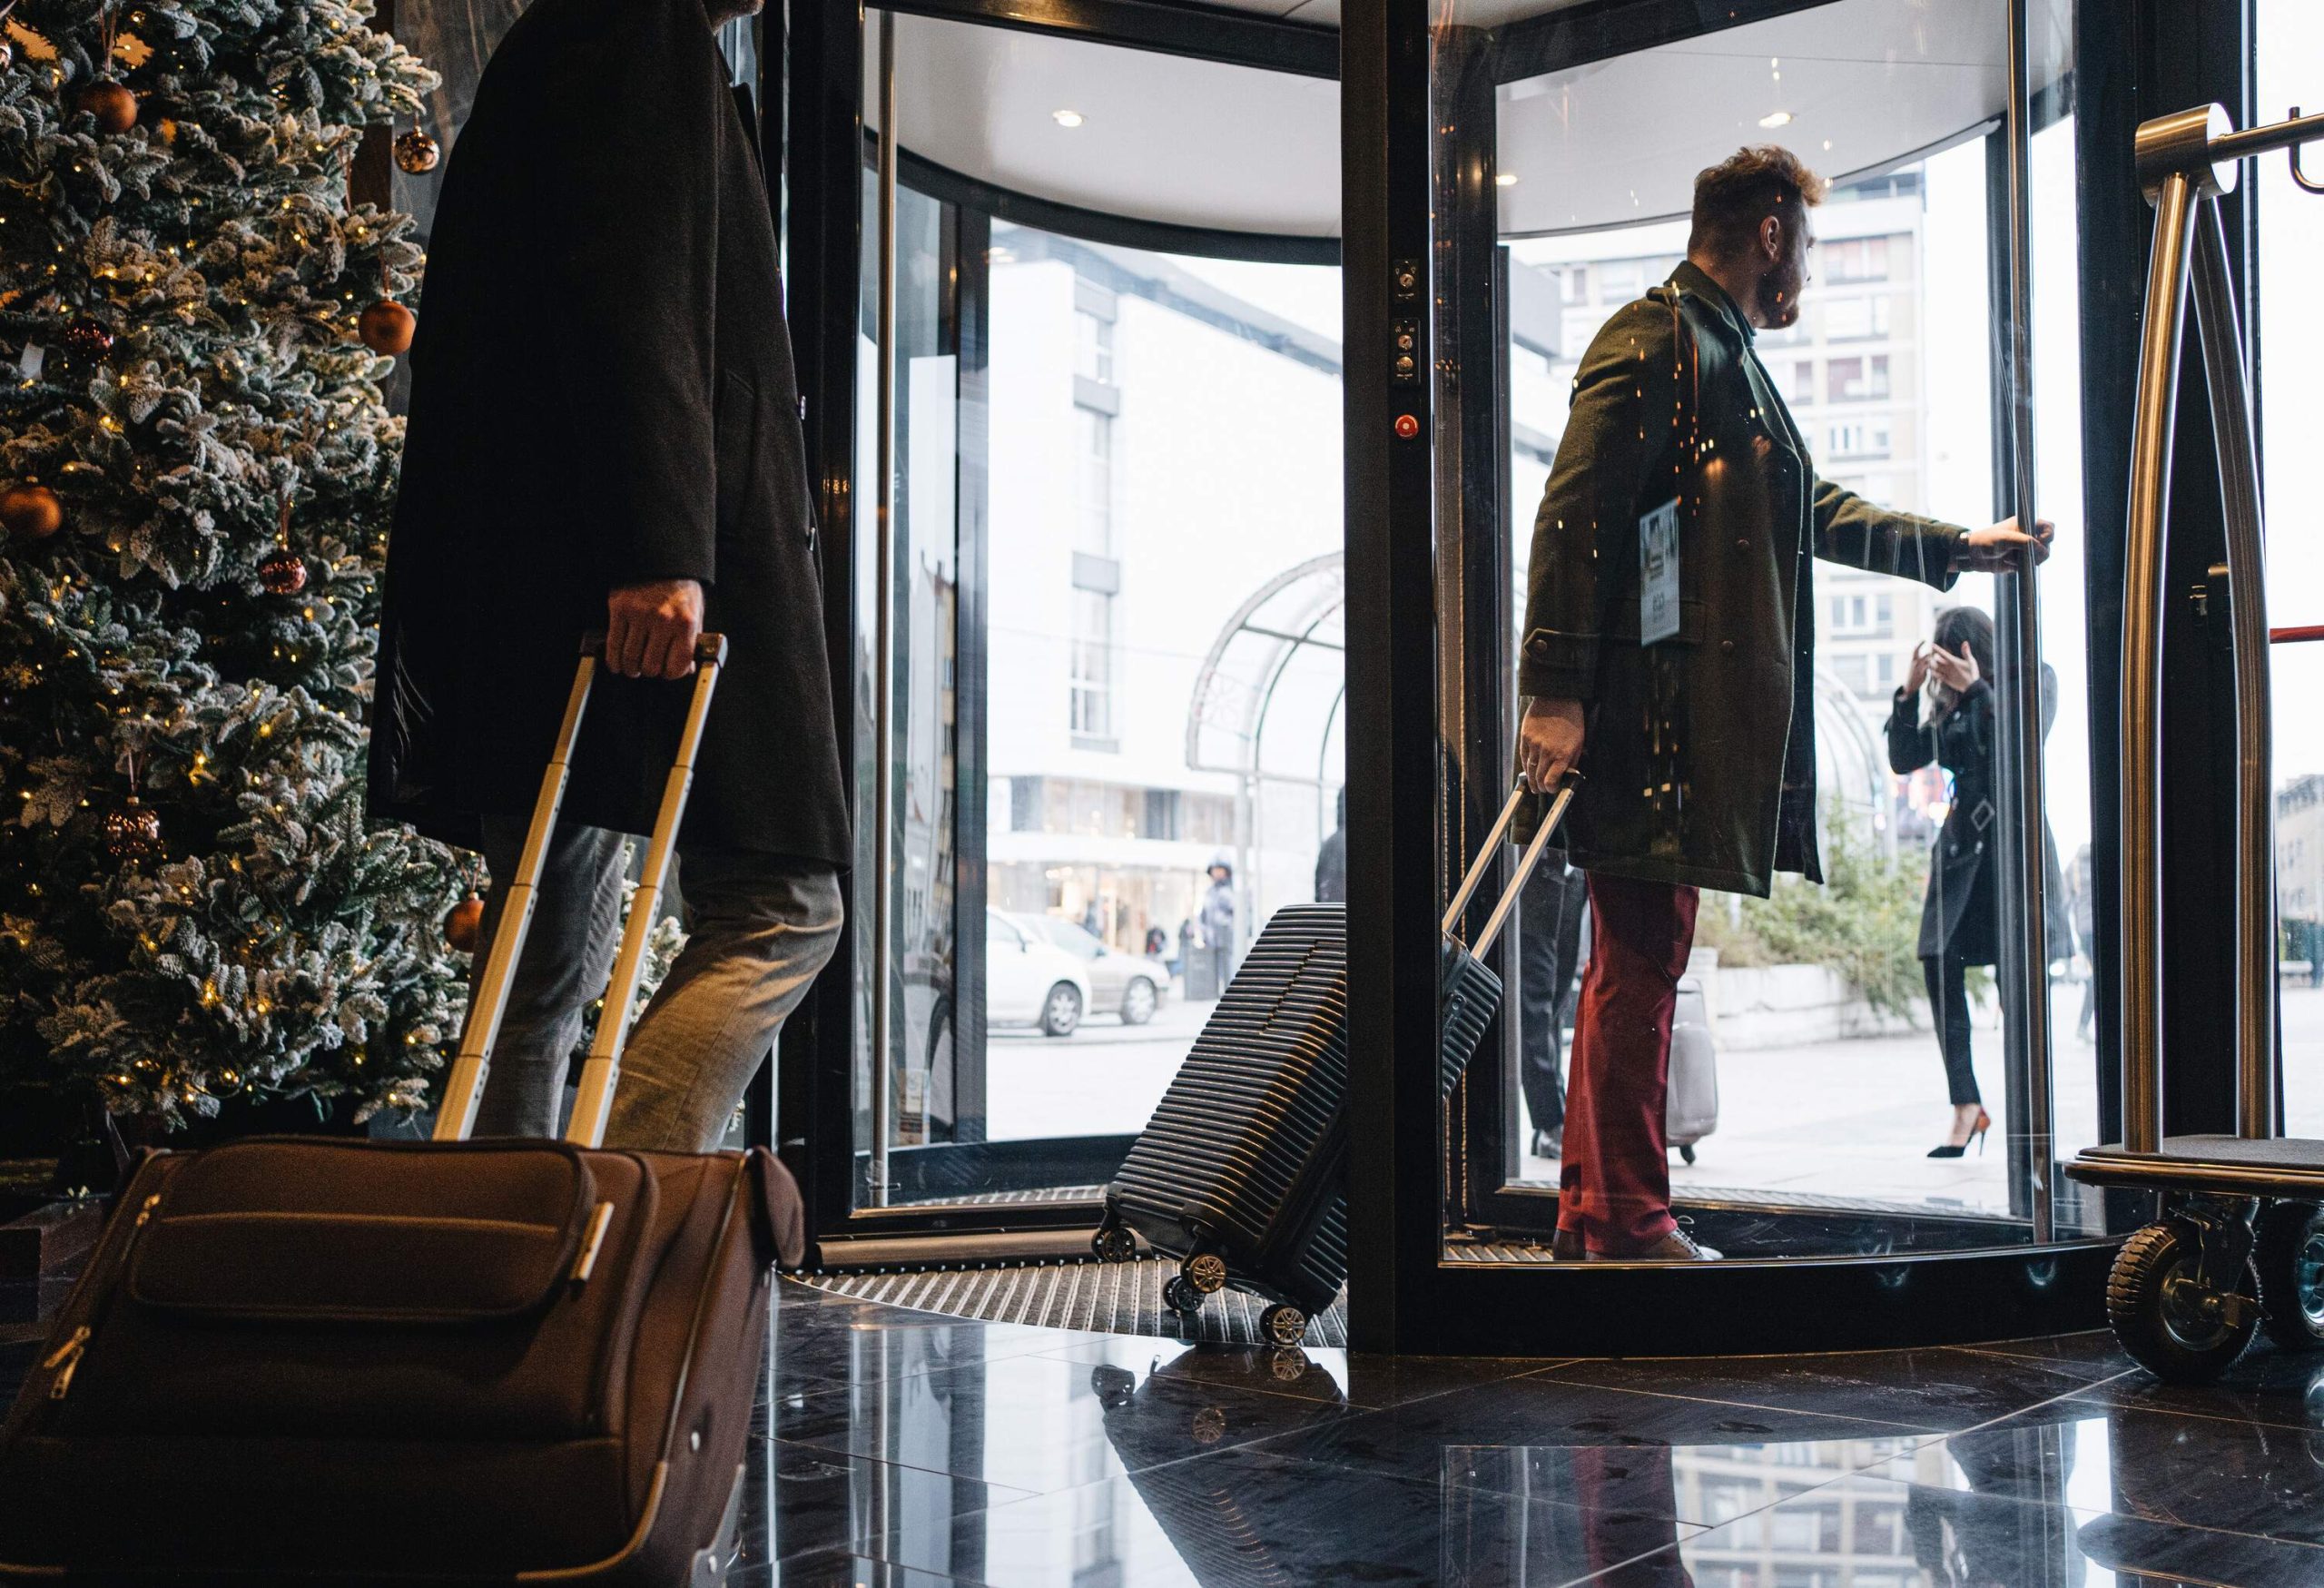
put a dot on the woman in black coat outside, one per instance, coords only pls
(1961, 919)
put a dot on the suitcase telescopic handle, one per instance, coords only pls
(464, 1089)
(1566, 785)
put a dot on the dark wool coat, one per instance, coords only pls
(1699, 761)
(603, 394)
(1962, 915)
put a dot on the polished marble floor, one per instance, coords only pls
(909, 1450)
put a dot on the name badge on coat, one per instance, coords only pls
(1657, 574)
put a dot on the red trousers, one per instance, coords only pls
(1614, 1180)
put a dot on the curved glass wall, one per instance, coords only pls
(1811, 1080)
(1111, 617)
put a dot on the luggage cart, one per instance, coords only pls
(2239, 1239)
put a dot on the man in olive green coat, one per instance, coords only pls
(1669, 654)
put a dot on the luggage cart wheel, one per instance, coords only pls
(1686, 1155)
(2289, 1253)
(1283, 1324)
(1180, 1297)
(1206, 1271)
(2173, 1324)
(1113, 1244)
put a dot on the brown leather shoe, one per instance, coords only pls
(1565, 1247)
(1677, 1246)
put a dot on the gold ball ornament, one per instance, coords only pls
(416, 153)
(386, 327)
(87, 340)
(113, 105)
(283, 573)
(32, 511)
(133, 832)
(465, 924)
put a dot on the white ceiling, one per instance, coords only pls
(1163, 138)
(1195, 143)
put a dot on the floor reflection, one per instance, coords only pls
(910, 1450)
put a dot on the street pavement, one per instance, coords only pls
(1851, 1118)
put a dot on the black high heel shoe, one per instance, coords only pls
(1976, 1134)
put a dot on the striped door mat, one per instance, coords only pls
(1120, 1299)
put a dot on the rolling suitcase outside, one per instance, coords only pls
(297, 1361)
(1690, 1106)
(1239, 1173)
(1470, 993)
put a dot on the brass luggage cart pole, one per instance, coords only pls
(2187, 1291)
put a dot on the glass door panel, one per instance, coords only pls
(1831, 1083)
(1113, 616)
(2291, 340)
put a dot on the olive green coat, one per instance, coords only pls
(1699, 761)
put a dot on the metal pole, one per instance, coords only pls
(2255, 825)
(2020, 615)
(2141, 688)
(883, 772)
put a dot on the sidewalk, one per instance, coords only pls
(1851, 1119)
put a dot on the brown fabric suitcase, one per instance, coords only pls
(400, 1362)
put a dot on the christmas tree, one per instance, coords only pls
(197, 466)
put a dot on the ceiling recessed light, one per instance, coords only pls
(1506, 179)
(1065, 118)
(1775, 118)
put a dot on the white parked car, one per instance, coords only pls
(1028, 981)
(1130, 985)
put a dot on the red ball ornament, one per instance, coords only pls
(88, 339)
(416, 153)
(283, 573)
(113, 105)
(32, 511)
(465, 924)
(386, 327)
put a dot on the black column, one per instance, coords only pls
(1394, 1228)
(822, 168)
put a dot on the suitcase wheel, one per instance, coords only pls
(1180, 1297)
(1686, 1153)
(1283, 1324)
(1206, 1271)
(1113, 1244)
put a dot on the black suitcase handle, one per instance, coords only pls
(1566, 785)
(601, 1071)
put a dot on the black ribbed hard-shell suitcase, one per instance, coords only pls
(1469, 993)
(1240, 1173)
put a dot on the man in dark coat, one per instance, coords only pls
(605, 435)
(1680, 682)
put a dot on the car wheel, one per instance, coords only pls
(1062, 1011)
(1137, 1001)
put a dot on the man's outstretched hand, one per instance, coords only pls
(2002, 544)
(650, 629)
(1549, 742)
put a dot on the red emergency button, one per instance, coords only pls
(1407, 425)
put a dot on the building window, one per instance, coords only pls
(1883, 613)
(1860, 438)
(1884, 671)
(1094, 346)
(1093, 435)
(1803, 380)
(1858, 380)
(1856, 259)
(1856, 319)
(1092, 670)
(1574, 284)
(1621, 279)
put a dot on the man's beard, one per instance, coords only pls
(1778, 296)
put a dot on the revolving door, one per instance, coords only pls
(1159, 580)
